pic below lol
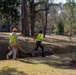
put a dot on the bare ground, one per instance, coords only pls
(53, 44)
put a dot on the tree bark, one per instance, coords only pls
(45, 27)
(25, 26)
(32, 16)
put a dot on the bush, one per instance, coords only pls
(59, 28)
(55, 31)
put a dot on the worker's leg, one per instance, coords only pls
(36, 49)
(14, 53)
(41, 46)
(9, 54)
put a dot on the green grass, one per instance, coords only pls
(36, 66)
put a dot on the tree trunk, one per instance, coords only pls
(45, 27)
(25, 26)
(32, 16)
(32, 26)
(42, 21)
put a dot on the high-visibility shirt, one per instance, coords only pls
(39, 37)
(13, 38)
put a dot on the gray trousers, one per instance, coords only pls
(14, 52)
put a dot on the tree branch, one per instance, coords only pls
(37, 3)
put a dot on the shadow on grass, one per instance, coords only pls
(54, 40)
(11, 71)
(51, 62)
(27, 61)
(60, 66)
(59, 63)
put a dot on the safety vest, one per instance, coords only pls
(13, 39)
(39, 37)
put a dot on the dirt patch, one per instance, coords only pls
(3, 49)
(48, 51)
(49, 46)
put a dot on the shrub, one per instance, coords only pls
(59, 28)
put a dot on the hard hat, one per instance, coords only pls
(40, 31)
(14, 29)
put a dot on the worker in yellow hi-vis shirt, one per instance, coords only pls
(13, 41)
(39, 43)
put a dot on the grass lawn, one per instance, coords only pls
(37, 66)
(50, 65)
